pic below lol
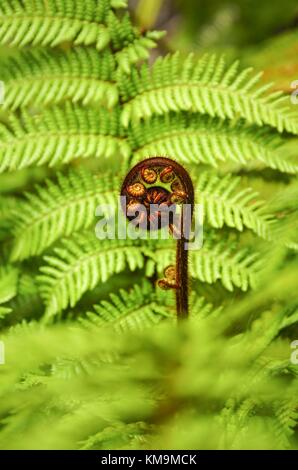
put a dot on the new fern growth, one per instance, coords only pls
(152, 190)
(87, 107)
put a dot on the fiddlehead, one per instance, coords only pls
(157, 191)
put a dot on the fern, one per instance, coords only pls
(8, 286)
(80, 264)
(44, 77)
(201, 309)
(7, 208)
(59, 210)
(286, 420)
(27, 298)
(137, 51)
(134, 310)
(52, 23)
(222, 204)
(208, 87)
(212, 263)
(199, 139)
(131, 47)
(94, 353)
(74, 132)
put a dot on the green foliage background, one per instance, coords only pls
(94, 357)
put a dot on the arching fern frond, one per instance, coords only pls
(59, 209)
(207, 87)
(50, 77)
(143, 306)
(49, 23)
(223, 203)
(194, 138)
(80, 264)
(59, 135)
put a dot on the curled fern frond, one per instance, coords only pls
(59, 135)
(80, 264)
(207, 87)
(194, 138)
(143, 306)
(49, 23)
(223, 203)
(59, 209)
(50, 77)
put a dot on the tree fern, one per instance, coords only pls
(202, 309)
(130, 44)
(27, 298)
(286, 420)
(60, 209)
(142, 307)
(69, 205)
(212, 263)
(208, 87)
(8, 287)
(194, 138)
(7, 208)
(74, 132)
(223, 204)
(80, 264)
(93, 350)
(44, 77)
(51, 23)
(138, 50)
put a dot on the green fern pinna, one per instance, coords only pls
(93, 359)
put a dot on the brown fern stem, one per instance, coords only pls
(182, 280)
(166, 184)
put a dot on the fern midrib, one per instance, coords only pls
(42, 77)
(55, 16)
(203, 133)
(46, 135)
(213, 88)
